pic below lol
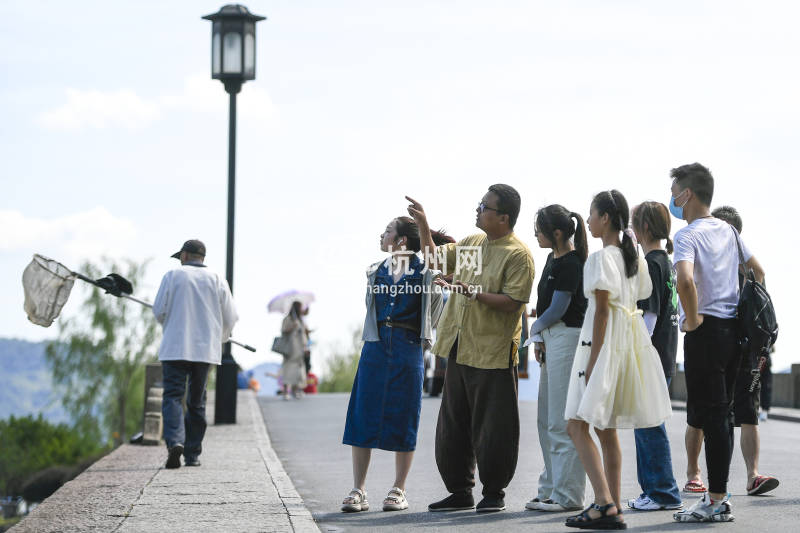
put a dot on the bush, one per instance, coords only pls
(30, 445)
(340, 368)
(44, 483)
(8, 523)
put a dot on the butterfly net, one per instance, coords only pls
(47, 285)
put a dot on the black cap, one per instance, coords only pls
(192, 246)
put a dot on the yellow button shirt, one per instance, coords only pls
(487, 338)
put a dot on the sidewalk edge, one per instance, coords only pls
(299, 515)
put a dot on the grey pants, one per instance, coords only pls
(563, 479)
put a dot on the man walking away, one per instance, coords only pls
(196, 310)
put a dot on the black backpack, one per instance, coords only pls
(758, 326)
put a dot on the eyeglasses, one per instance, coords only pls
(483, 207)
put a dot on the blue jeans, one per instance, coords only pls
(190, 428)
(654, 465)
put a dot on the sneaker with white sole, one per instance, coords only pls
(646, 503)
(536, 504)
(554, 507)
(707, 510)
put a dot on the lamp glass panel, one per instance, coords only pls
(232, 53)
(249, 55)
(216, 54)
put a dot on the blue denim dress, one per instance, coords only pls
(386, 398)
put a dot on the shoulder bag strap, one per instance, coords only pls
(741, 258)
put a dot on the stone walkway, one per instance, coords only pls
(240, 487)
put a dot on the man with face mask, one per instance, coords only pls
(707, 266)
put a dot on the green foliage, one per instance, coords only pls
(100, 356)
(340, 368)
(7, 523)
(31, 444)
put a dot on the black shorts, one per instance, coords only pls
(745, 401)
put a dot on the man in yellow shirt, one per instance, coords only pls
(479, 333)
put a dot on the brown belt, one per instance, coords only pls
(403, 325)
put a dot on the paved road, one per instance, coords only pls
(306, 435)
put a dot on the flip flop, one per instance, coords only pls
(694, 486)
(762, 484)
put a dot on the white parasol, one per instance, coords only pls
(282, 303)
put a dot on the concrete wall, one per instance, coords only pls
(785, 388)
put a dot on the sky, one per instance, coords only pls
(114, 137)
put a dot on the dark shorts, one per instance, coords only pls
(745, 401)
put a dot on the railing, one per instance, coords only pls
(153, 391)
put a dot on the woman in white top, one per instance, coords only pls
(617, 380)
(293, 369)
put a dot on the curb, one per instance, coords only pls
(299, 515)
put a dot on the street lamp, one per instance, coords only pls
(233, 61)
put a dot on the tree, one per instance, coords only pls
(341, 367)
(100, 357)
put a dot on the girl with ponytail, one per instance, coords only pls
(560, 307)
(651, 225)
(616, 379)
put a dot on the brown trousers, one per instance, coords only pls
(478, 422)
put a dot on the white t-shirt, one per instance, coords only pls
(196, 309)
(710, 245)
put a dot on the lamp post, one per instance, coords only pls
(233, 61)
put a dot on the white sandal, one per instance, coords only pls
(395, 500)
(355, 502)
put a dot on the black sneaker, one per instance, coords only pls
(454, 502)
(491, 504)
(191, 461)
(174, 457)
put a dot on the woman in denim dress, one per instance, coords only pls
(403, 306)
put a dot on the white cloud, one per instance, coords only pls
(99, 110)
(124, 108)
(72, 237)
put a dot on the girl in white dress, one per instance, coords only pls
(617, 380)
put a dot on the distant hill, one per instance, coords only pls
(25, 384)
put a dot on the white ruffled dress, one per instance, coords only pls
(627, 388)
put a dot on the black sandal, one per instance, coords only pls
(604, 521)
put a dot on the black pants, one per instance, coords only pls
(478, 422)
(711, 361)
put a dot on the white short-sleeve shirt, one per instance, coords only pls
(710, 245)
